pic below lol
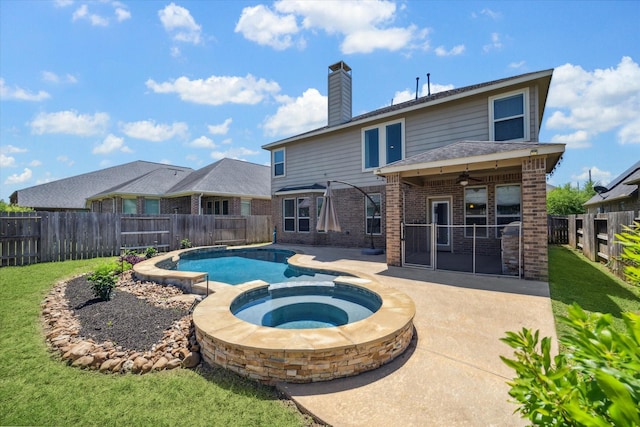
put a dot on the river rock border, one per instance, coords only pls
(178, 347)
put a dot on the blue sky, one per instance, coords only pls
(86, 85)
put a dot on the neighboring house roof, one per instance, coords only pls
(227, 177)
(468, 153)
(431, 100)
(73, 192)
(153, 183)
(625, 185)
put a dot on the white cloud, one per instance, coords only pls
(220, 129)
(454, 51)
(597, 175)
(598, 101)
(298, 115)
(150, 131)
(364, 25)
(578, 139)
(496, 43)
(7, 161)
(110, 144)
(51, 77)
(488, 13)
(218, 90)
(8, 149)
(202, 142)
(178, 21)
(518, 64)
(66, 160)
(122, 14)
(17, 93)
(83, 13)
(261, 25)
(35, 163)
(19, 178)
(69, 122)
(62, 3)
(234, 153)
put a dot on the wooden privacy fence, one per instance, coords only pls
(594, 235)
(32, 237)
(558, 230)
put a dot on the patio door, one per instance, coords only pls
(440, 212)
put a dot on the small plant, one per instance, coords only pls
(131, 259)
(630, 241)
(103, 280)
(595, 383)
(185, 244)
(150, 252)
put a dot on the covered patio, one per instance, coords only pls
(473, 206)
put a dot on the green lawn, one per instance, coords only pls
(573, 278)
(37, 389)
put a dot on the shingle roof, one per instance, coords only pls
(619, 188)
(229, 177)
(72, 193)
(156, 182)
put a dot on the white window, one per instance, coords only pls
(304, 204)
(277, 160)
(289, 214)
(382, 144)
(152, 206)
(509, 117)
(129, 206)
(372, 214)
(508, 205)
(245, 207)
(475, 211)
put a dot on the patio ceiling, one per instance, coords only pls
(471, 156)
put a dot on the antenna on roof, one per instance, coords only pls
(428, 84)
(417, 80)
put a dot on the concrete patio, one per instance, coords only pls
(451, 374)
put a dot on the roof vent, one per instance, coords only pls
(339, 94)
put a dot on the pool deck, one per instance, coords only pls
(451, 374)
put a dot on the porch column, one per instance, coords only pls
(534, 219)
(393, 208)
(195, 204)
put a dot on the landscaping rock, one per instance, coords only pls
(191, 360)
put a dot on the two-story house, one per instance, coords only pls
(447, 172)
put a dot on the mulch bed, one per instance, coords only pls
(125, 320)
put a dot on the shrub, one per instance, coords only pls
(185, 244)
(630, 241)
(103, 280)
(150, 252)
(596, 382)
(131, 259)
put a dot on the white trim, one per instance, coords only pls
(525, 114)
(284, 163)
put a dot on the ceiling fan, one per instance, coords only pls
(464, 179)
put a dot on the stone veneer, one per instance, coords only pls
(271, 355)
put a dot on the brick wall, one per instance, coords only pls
(260, 207)
(534, 218)
(393, 220)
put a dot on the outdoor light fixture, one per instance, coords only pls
(533, 152)
(464, 182)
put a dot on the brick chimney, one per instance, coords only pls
(339, 94)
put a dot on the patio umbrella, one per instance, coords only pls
(328, 220)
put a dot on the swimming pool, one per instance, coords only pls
(235, 266)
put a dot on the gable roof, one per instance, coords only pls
(543, 76)
(622, 187)
(153, 183)
(73, 192)
(227, 177)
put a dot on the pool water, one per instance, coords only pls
(305, 305)
(240, 266)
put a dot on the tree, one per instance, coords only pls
(568, 200)
(6, 207)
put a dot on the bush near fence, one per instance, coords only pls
(32, 237)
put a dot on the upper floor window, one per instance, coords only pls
(382, 144)
(508, 116)
(278, 162)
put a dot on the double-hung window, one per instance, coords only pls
(245, 207)
(152, 206)
(129, 206)
(277, 160)
(509, 117)
(304, 204)
(382, 144)
(295, 214)
(508, 205)
(289, 214)
(372, 214)
(475, 211)
(221, 207)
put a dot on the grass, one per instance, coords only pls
(38, 389)
(573, 278)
